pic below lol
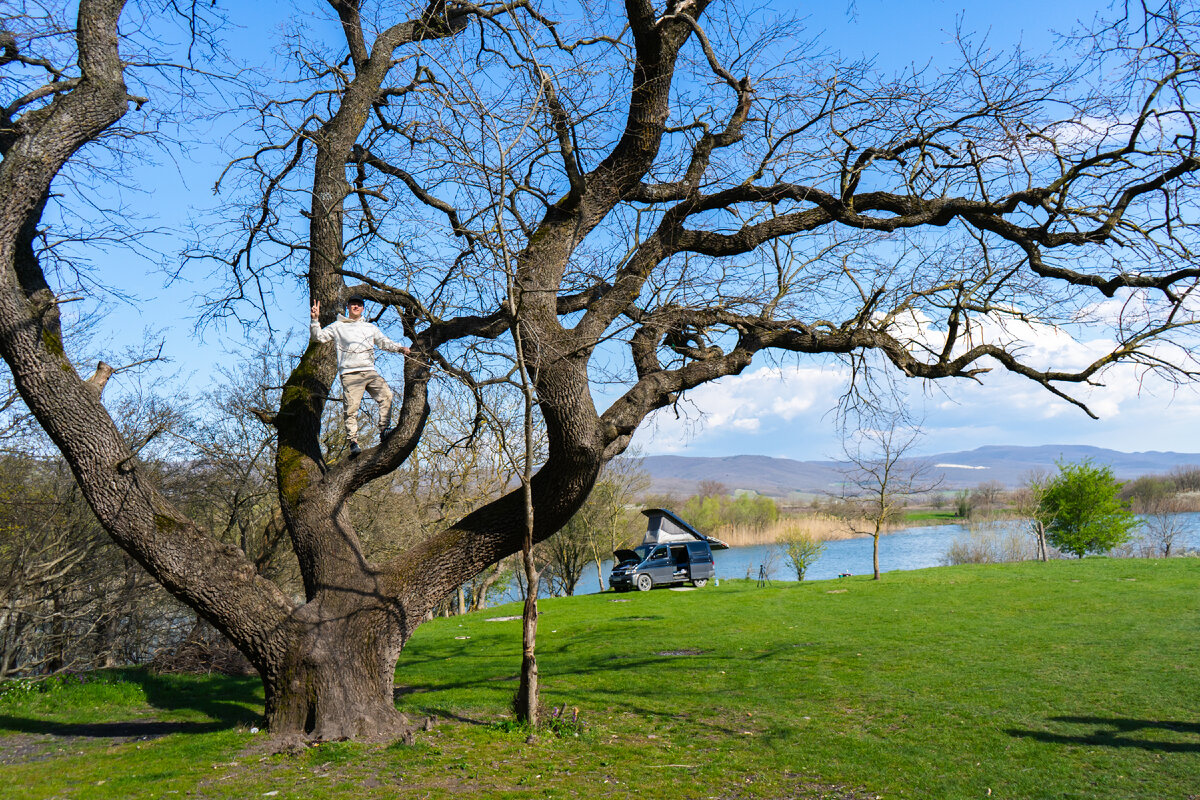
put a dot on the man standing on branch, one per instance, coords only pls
(356, 340)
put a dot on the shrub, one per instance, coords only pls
(801, 550)
(990, 544)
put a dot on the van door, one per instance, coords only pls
(701, 558)
(659, 566)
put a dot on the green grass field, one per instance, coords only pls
(931, 517)
(1073, 679)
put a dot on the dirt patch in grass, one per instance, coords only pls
(804, 788)
(21, 748)
(809, 790)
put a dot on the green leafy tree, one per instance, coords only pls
(1082, 510)
(703, 513)
(709, 513)
(963, 503)
(1148, 493)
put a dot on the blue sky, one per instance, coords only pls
(771, 409)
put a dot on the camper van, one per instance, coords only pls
(672, 552)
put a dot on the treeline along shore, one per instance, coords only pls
(745, 519)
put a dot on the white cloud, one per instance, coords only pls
(757, 402)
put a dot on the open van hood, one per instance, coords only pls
(624, 556)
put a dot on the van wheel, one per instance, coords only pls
(699, 582)
(644, 583)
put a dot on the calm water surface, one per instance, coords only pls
(911, 548)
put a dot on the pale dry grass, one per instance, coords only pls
(819, 527)
(991, 543)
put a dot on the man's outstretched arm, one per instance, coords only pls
(384, 343)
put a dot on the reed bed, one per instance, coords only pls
(820, 527)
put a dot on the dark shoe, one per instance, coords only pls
(354, 449)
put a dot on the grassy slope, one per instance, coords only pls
(1067, 680)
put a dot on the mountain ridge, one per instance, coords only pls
(1009, 465)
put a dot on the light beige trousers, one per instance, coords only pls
(353, 386)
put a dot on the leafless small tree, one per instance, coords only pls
(1028, 499)
(882, 474)
(987, 495)
(1164, 527)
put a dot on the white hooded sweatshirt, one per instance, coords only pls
(356, 343)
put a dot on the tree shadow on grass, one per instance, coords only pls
(422, 698)
(1116, 732)
(119, 730)
(225, 701)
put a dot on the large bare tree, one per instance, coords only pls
(657, 199)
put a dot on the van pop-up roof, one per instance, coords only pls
(664, 527)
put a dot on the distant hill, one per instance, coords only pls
(780, 477)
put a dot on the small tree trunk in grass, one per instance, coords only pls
(527, 693)
(875, 553)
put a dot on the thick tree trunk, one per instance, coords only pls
(336, 680)
(332, 675)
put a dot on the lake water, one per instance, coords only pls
(910, 548)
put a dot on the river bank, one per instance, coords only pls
(825, 527)
(917, 547)
(820, 527)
